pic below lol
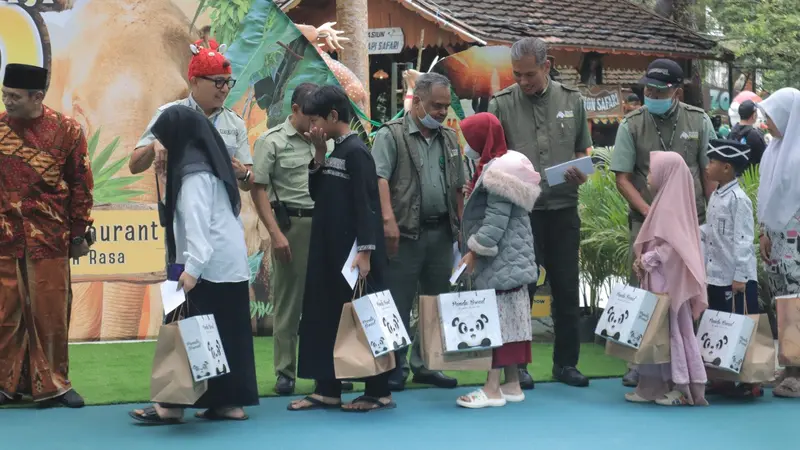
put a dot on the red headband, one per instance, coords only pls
(208, 61)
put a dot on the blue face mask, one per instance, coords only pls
(429, 122)
(658, 107)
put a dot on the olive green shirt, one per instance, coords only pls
(623, 158)
(548, 128)
(685, 130)
(433, 185)
(281, 157)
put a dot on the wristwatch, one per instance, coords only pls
(245, 177)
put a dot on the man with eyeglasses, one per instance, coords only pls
(210, 81)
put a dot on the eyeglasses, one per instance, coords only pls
(220, 82)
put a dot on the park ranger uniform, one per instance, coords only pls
(229, 125)
(684, 129)
(425, 176)
(281, 160)
(550, 128)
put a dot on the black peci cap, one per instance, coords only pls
(663, 74)
(23, 76)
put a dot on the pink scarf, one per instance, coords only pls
(672, 221)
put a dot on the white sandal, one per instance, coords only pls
(513, 398)
(673, 398)
(479, 399)
(633, 397)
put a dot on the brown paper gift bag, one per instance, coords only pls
(171, 380)
(788, 309)
(759, 360)
(432, 346)
(352, 356)
(654, 348)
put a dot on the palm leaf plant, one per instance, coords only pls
(749, 182)
(107, 187)
(604, 234)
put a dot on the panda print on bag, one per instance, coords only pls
(394, 327)
(472, 331)
(614, 324)
(379, 346)
(712, 347)
(216, 353)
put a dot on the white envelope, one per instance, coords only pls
(555, 174)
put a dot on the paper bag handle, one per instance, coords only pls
(358, 291)
(744, 302)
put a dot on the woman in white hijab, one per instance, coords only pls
(779, 207)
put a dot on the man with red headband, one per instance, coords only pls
(210, 82)
(45, 206)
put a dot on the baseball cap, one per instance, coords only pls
(747, 109)
(663, 74)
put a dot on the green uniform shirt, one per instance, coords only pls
(281, 163)
(549, 129)
(434, 196)
(637, 136)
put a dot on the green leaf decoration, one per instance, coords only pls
(254, 261)
(102, 158)
(107, 172)
(108, 189)
(92, 144)
(259, 33)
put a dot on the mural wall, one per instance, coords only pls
(113, 63)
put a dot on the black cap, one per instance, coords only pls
(746, 109)
(23, 76)
(663, 74)
(734, 153)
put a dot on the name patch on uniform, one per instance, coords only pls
(227, 131)
(690, 135)
(565, 114)
(454, 151)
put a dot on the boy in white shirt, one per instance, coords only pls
(728, 238)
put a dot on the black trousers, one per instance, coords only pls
(376, 387)
(720, 298)
(557, 238)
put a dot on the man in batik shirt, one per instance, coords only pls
(45, 203)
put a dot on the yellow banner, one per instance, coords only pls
(128, 242)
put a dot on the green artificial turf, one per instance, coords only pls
(120, 373)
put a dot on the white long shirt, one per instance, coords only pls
(209, 239)
(728, 237)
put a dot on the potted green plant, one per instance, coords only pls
(749, 183)
(604, 238)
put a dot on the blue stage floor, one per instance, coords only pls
(554, 417)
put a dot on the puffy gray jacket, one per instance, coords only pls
(497, 229)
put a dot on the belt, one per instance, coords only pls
(433, 221)
(294, 212)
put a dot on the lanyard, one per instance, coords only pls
(658, 130)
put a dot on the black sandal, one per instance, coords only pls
(315, 404)
(212, 414)
(150, 416)
(379, 405)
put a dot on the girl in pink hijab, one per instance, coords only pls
(669, 260)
